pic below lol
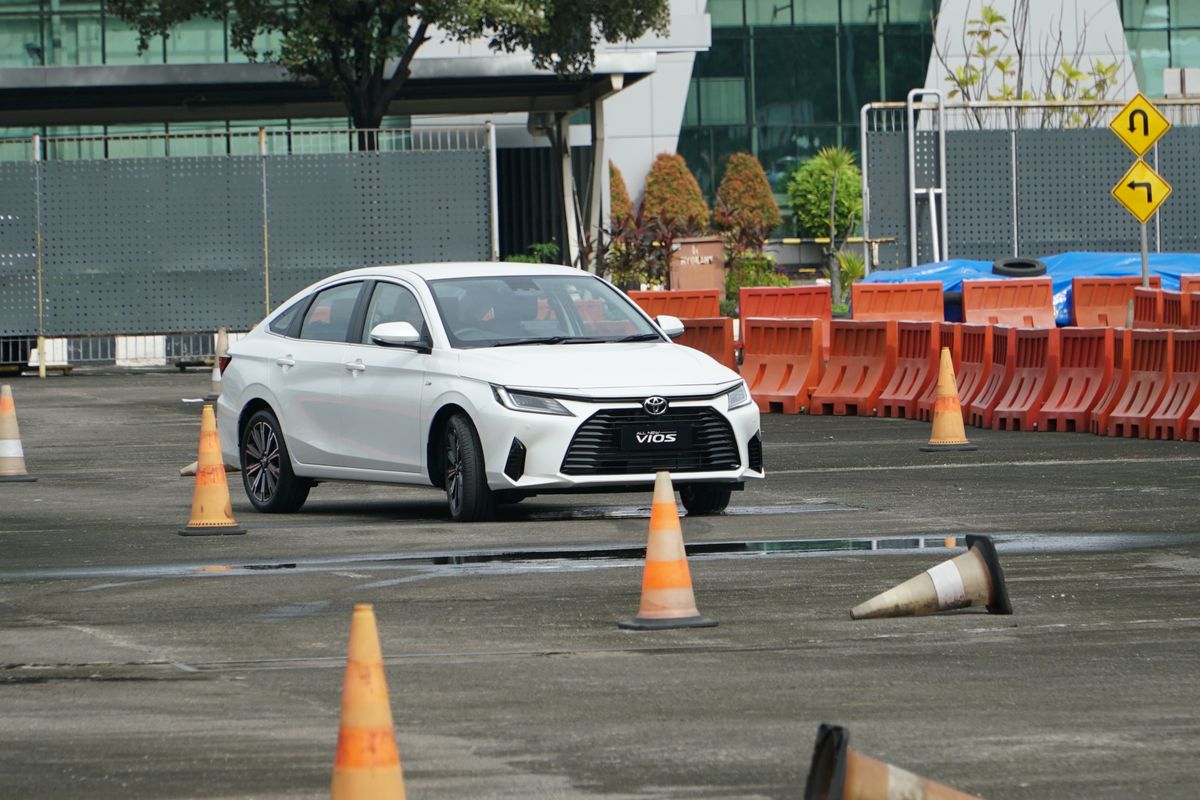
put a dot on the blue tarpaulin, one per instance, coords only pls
(1060, 269)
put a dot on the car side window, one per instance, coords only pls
(328, 317)
(393, 303)
(283, 323)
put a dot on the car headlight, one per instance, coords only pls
(739, 397)
(533, 403)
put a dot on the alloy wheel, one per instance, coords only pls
(454, 474)
(262, 462)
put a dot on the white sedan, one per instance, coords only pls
(492, 381)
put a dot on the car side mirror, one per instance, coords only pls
(671, 326)
(398, 334)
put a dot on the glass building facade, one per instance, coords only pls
(784, 78)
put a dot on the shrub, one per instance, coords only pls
(673, 196)
(539, 253)
(746, 210)
(750, 270)
(850, 269)
(622, 206)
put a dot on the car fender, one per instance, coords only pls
(466, 394)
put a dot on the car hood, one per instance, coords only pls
(597, 369)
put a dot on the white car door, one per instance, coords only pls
(382, 388)
(306, 378)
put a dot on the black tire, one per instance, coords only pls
(467, 492)
(267, 474)
(1019, 268)
(705, 498)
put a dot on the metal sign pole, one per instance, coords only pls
(1145, 258)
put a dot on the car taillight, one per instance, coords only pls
(223, 362)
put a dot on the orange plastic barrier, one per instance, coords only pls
(1018, 302)
(789, 302)
(1004, 359)
(950, 335)
(920, 300)
(785, 302)
(861, 358)
(1121, 365)
(1035, 370)
(1085, 367)
(975, 363)
(1170, 416)
(1147, 307)
(1149, 374)
(1174, 309)
(1099, 302)
(918, 357)
(1187, 283)
(712, 335)
(1192, 300)
(682, 303)
(785, 363)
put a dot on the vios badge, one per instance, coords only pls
(655, 406)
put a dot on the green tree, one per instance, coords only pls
(826, 199)
(345, 45)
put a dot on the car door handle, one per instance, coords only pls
(355, 366)
(286, 361)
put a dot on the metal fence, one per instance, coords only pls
(99, 239)
(1017, 179)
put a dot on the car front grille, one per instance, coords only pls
(596, 447)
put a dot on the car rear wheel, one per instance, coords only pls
(267, 470)
(705, 498)
(467, 491)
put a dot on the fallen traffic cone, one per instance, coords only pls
(971, 579)
(12, 457)
(948, 432)
(367, 763)
(212, 511)
(667, 598)
(839, 773)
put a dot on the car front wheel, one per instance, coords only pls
(705, 498)
(467, 491)
(266, 469)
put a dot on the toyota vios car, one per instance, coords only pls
(492, 381)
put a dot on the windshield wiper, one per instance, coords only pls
(543, 340)
(639, 337)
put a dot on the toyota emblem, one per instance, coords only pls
(655, 406)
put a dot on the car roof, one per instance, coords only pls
(460, 269)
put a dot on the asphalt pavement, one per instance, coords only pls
(136, 663)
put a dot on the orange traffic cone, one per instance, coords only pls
(367, 763)
(212, 511)
(948, 431)
(222, 348)
(839, 773)
(12, 457)
(667, 598)
(971, 579)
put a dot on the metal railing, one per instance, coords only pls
(245, 142)
(1019, 115)
(936, 118)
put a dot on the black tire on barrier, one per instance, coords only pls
(1018, 267)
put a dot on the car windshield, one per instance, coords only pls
(505, 311)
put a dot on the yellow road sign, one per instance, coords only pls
(1139, 124)
(1141, 190)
